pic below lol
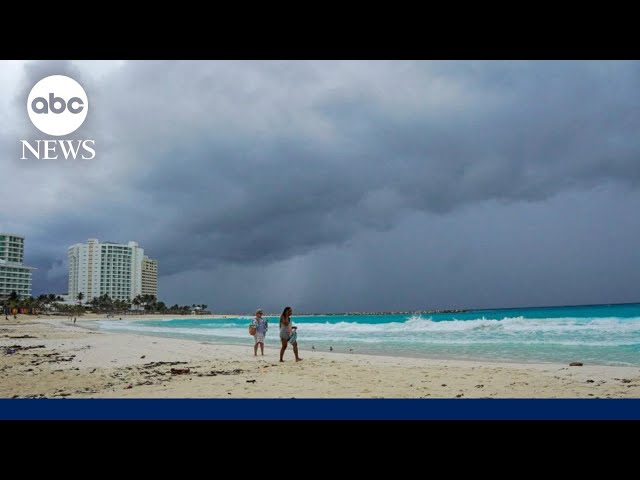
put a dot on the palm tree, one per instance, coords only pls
(80, 297)
(94, 302)
(41, 301)
(12, 300)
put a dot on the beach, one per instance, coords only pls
(52, 357)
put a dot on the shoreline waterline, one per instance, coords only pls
(599, 335)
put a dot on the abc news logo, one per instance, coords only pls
(40, 105)
(58, 105)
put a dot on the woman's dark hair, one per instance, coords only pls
(285, 311)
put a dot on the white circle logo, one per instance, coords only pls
(57, 105)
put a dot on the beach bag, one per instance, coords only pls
(252, 330)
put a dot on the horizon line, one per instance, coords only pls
(458, 310)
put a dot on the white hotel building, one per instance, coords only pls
(14, 276)
(97, 268)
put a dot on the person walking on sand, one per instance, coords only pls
(261, 327)
(288, 334)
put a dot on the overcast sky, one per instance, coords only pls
(342, 186)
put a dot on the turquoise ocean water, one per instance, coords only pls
(595, 334)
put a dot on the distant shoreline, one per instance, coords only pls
(103, 316)
(218, 316)
(412, 312)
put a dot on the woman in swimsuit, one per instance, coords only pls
(288, 333)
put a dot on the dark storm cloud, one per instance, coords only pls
(297, 170)
(208, 164)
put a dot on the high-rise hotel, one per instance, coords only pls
(14, 276)
(149, 277)
(115, 269)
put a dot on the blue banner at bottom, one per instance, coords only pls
(319, 409)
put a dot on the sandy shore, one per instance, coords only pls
(51, 357)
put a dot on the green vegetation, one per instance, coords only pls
(42, 304)
(50, 303)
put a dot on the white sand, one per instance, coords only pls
(77, 362)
